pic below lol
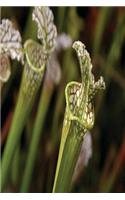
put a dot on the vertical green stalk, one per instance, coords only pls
(16, 166)
(78, 119)
(72, 148)
(37, 130)
(115, 50)
(43, 17)
(29, 28)
(31, 79)
(61, 16)
(103, 18)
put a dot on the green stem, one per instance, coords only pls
(61, 16)
(20, 116)
(68, 161)
(103, 18)
(37, 130)
(31, 80)
(16, 166)
(116, 46)
(30, 29)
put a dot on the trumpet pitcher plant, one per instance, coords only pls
(79, 118)
(36, 56)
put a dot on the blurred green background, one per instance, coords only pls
(102, 30)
